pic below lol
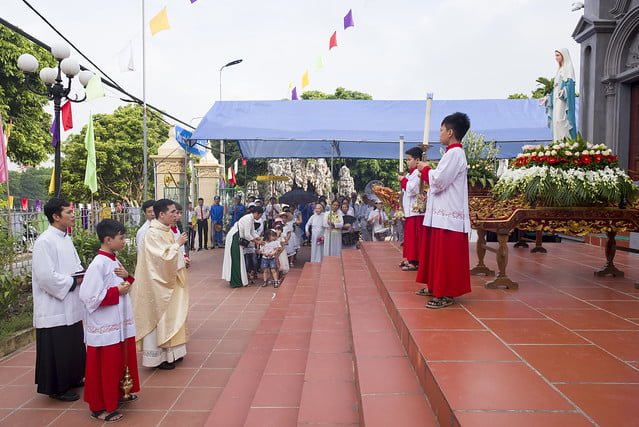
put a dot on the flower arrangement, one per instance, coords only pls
(333, 217)
(480, 158)
(567, 173)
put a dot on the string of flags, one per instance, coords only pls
(319, 59)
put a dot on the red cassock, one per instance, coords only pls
(413, 236)
(104, 370)
(443, 264)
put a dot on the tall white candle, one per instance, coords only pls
(401, 154)
(429, 107)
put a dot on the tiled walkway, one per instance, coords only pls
(561, 350)
(221, 323)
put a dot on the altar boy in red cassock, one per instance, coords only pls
(413, 223)
(444, 264)
(109, 326)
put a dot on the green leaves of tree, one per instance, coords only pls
(30, 141)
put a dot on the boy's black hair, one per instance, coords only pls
(178, 206)
(270, 233)
(162, 205)
(415, 152)
(54, 206)
(200, 198)
(258, 209)
(147, 205)
(459, 123)
(109, 228)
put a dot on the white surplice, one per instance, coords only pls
(108, 324)
(449, 192)
(55, 260)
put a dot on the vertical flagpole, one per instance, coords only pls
(145, 153)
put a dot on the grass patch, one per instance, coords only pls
(15, 323)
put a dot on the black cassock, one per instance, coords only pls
(60, 358)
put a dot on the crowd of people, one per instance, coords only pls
(91, 323)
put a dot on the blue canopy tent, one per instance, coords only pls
(365, 129)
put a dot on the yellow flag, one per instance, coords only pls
(10, 202)
(52, 182)
(160, 22)
(305, 81)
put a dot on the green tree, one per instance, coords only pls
(517, 96)
(119, 155)
(30, 141)
(32, 183)
(340, 93)
(544, 87)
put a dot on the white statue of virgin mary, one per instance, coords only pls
(560, 103)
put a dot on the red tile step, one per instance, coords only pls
(234, 404)
(388, 389)
(329, 391)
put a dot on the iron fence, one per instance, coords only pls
(20, 229)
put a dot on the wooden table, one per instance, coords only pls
(503, 217)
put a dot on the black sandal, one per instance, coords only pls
(131, 398)
(109, 418)
(440, 302)
(277, 283)
(410, 267)
(424, 292)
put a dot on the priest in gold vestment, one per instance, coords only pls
(160, 295)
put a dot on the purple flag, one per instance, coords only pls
(294, 94)
(348, 19)
(55, 130)
(38, 206)
(193, 1)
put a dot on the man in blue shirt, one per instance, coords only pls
(217, 215)
(237, 210)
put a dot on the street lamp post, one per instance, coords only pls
(222, 155)
(56, 91)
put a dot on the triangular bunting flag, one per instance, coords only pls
(305, 80)
(348, 19)
(294, 94)
(159, 22)
(94, 88)
(333, 42)
(319, 62)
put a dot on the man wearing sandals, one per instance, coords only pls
(444, 264)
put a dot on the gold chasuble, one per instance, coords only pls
(160, 295)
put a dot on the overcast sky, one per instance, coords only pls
(399, 49)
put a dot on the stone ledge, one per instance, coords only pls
(16, 341)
